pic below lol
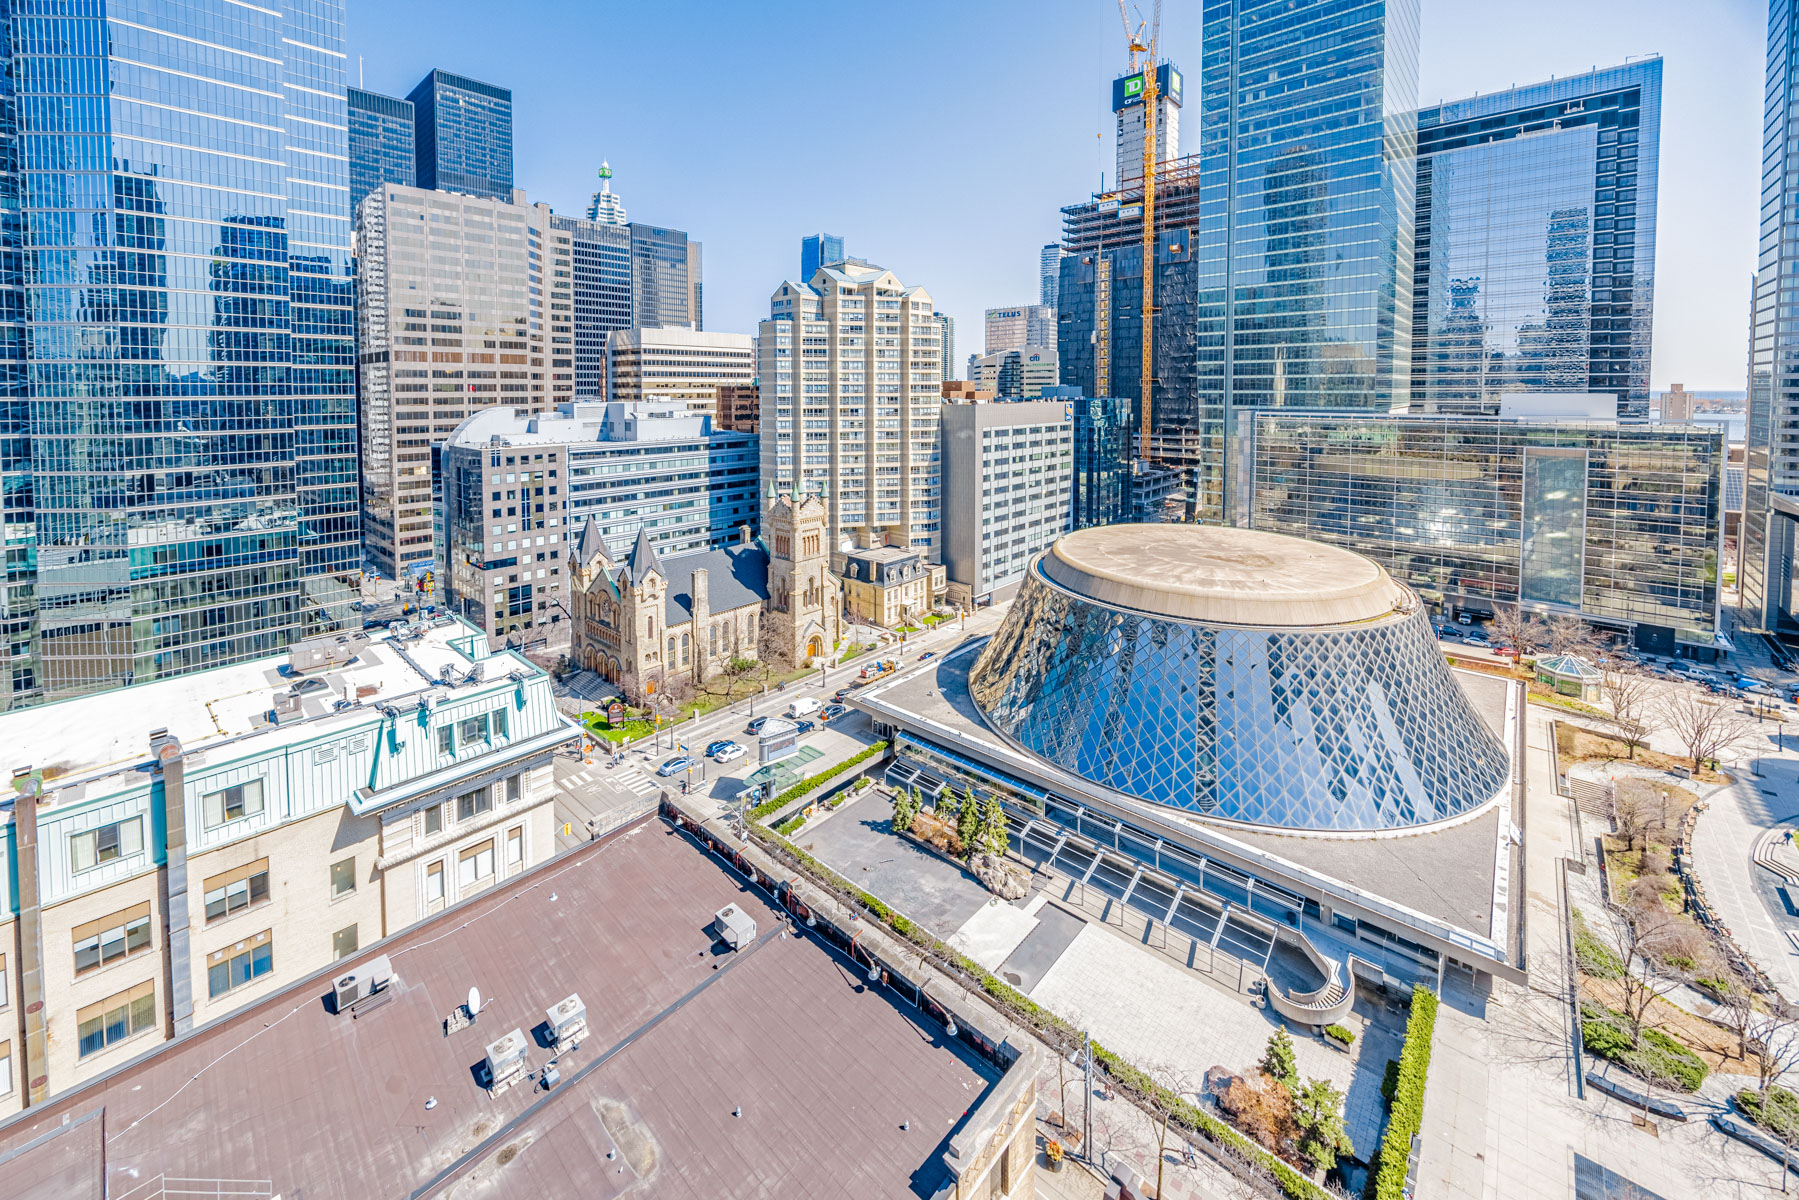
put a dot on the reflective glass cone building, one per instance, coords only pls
(177, 431)
(1243, 676)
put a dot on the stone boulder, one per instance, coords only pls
(1005, 879)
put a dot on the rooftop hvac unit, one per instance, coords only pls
(365, 987)
(736, 928)
(286, 704)
(568, 1021)
(506, 1061)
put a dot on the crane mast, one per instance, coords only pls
(1151, 90)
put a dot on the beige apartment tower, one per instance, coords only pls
(849, 365)
(464, 303)
(678, 364)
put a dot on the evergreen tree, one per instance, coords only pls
(1278, 1062)
(993, 826)
(949, 805)
(1318, 1111)
(902, 813)
(968, 822)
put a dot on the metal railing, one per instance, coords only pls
(212, 1189)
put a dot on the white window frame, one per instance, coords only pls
(86, 848)
(215, 807)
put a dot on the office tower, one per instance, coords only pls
(601, 256)
(463, 135)
(1023, 325)
(1049, 268)
(1549, 508)
(1019, 374)
(1295, 287)
(739, 408)
(677, 364)
(1676, 403)
(1102, 428)
(819, 250)
(178, 459)
(606, 208)
(1127, 105)
(1007, 470)
(849, 414)
(466, 303)
(520, 488)
(665, 278)
(381, 133)
(946, 334)
(1534, 257)
(1765, 573)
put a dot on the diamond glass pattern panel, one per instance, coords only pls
(1341, 728)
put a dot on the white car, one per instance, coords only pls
(730, 753)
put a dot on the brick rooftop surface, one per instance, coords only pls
(824, 1068)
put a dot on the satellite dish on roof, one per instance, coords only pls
(474, 1001)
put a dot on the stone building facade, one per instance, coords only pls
(646, 622)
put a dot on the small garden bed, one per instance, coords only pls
(1651, 1055)
(1573, 744)
(1779, 1116)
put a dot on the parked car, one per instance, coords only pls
(1474, 635)
(1506, 651)
(1464, 619)
(831, 712)
(755, 726)
(727, 752)
(805, 727)
(676, 765)
(804, 706)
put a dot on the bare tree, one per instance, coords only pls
(1570, 635)
(1638, 943)
(1629, 692)
(1740, 1016)
(1708, 728)
(1508, 622)
(1774, 1048)
(1168, 1084)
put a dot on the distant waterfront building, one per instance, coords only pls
(1127, 106)
(1049, 263)
(667, 285)
(1007, 476)
(739, 408)
(1676, 404)
(606, 208)
(216, 839)
(849, 368)
(1617, 523)
(465, 304)
(819, 250)
(381, 136)
(1024, 325)
(462, 138)
(946, 334)
(677, 364)
(1534, 260)
(177, 433)
(520, 486)
(1018, 374)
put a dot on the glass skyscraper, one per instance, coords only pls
(602, 267)
(818, 250)
(178, 446)
(462, 135)
(1771, 468)
(1534, 261)
(665, 278)
(381, 133)
(1283, 249)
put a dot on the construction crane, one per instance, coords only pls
(1140, 46)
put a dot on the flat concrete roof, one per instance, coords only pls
(1447, 874)
(824, 1069)
(79, 736)
(1222, 574)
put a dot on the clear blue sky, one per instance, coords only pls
(941, 139)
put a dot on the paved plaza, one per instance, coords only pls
(1745, 896)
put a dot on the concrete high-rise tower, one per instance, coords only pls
(606, 208)
(1127, 104)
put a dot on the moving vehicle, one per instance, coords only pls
(831, 712)
(755, 726)
(1506, 651)
(727, 752)
(1464, 619)
(722, 744)
(805, 706)
(805, 727)
(927, 656)
(676, 765)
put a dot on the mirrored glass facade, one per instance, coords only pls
(1343, 728)
(179, 446)
(1619, 523)
(462, 136)
(1534, 259)
(602, 289)
(380, 143)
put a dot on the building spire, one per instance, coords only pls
(606, 208)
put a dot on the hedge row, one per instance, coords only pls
(1292, 1184)
(811, 781)
(1388, 1180)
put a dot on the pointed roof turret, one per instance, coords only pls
(643, 558)
(589, 542)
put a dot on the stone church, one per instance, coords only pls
(645, 621)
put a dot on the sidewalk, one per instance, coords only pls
(1743, 894)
